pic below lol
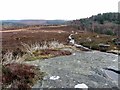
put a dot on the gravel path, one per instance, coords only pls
(80, 67)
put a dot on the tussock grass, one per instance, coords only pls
(45, 45)
(34, 50)
(8, 58)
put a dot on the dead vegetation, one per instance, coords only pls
(16, 74)
(44, 51)
(20, 76)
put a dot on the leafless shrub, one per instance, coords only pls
(30, 49)
(9, 58)
(55, 44)
(45, 45)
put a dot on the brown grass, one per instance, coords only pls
(20, 76)
(12, 39)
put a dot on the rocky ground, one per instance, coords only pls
(80, 67)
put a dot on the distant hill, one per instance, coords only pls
(106, 23)
(36, 22)
(56, 22)
(14, 24)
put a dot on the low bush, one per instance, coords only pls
(37, 47)
(44, 51)
(20, 76)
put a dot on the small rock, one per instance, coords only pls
(106, 84)
(59, 32)
(89, 39)
(72, 41)
(76, 33)
(54, 77)
(73, 54)
(72, 31)
(115, 47)
(114, 60)
(35, 65)
(97, 36)
(84, 86)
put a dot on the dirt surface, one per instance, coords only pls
(80, 67)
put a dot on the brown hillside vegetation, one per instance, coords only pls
(11, 39)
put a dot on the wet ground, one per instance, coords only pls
(80, 67)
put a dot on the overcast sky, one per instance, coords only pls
(55, 9)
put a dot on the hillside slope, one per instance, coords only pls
(106, 23)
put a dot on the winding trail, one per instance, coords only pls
(72, 41)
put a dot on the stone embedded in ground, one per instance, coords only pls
(54, 77)
(115, 60)
(73, 54)
(84, 86)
